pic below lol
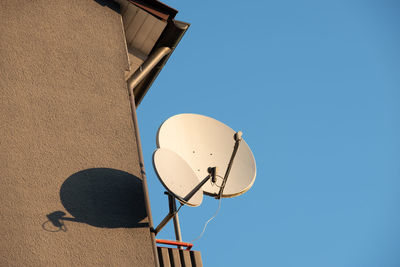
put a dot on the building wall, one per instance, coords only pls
(70, 187)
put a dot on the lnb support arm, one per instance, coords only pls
(238, 138)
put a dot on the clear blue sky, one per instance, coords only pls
(315, 88)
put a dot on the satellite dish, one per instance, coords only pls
(198, 154)
(177, 176)
(204, 142)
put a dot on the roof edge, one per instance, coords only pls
(171, 36)
(156, 8)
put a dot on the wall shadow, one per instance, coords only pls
(110, 4)
(102, 197)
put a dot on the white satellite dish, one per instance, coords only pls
(204, 142)
(177, 176)
(199, 154)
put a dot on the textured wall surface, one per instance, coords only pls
(70, 191)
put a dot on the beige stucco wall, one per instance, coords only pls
(67, 146)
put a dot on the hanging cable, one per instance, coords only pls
(209, 220)
(219, 176)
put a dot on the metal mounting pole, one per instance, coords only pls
(177, 227)
(173, 212)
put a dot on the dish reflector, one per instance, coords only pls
(204, 142)
(177, 176)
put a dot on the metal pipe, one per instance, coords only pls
(177, 227)
(238, 138)
(134, 80)
(173, 213)
(143, 174)
(146, 67)
(174, 243)
(197, 188)
(167, 218)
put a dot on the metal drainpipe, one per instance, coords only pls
(146, 67)
(132, 82)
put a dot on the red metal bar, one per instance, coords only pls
(174, 243)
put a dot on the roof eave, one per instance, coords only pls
(170, 37)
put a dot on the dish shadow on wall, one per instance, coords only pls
(100, 197)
